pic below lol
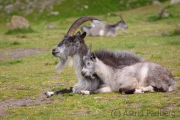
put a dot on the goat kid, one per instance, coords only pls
(137, 78)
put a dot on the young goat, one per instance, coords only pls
(99, 28)
(137, 78)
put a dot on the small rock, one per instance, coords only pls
(162, 13)
(18, 22)
(9, 8)
(174, 1)
(156, 2)
(86, 6)
(49, 26)
(165, 14)
(54, 13)
(177, 30)
(1, 6)
(28, 11)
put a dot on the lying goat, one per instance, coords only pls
(137, 78)
(99, 28)
(73, 45)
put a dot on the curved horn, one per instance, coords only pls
(79, 22)
(121, 17)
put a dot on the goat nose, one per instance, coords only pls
(83, 73)
(53, 50)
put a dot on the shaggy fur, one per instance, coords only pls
(136, 78)
(117, 58)
(76, 48)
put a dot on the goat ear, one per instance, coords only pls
(83, 35)
(78, 33)
(89, 49)
(93, 57)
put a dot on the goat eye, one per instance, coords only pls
(89, 63)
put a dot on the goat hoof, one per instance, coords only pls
(49, 94)
(138, 91)
(85, 92)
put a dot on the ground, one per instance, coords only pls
(27, 70)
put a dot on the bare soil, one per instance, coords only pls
(19, 53)
(28, 101)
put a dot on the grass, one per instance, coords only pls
(74, 8)
(32, 75)
(20, 30)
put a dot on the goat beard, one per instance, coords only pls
(62, 63)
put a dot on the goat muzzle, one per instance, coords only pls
(54, 52)
(83, 73)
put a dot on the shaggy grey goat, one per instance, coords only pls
(99, 28)
(137, 78)
(75, 47)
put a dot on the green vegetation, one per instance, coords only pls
(29, 76)
(20, 30)
(76, 8)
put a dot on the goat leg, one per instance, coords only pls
(105, 89)
(63, 91)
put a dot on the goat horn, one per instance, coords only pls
(78, 22)
(121, 17)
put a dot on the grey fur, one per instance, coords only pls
(99, 28)
(138, 78)
(76, 48)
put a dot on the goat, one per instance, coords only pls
(75, 47)
(94, 23)
(99, 28)
(137, 78)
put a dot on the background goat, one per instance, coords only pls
(99, 28)
(137, 78)
(75, 47)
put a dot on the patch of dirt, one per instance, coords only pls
(169, 108)
(81, 112)
(19, 53)
(136, 105)
(3, 113)
(28, 101)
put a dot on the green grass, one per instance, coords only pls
(74, 8)
(20, 30)
(30, 76)
(11, 62)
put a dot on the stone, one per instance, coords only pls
(177, 29)
(9, 8)
(162, 13)
(18, 22)
(174, 1)
(1, 7)
(49, 26)
(156, 2)
(54, 13)
(165, 14)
